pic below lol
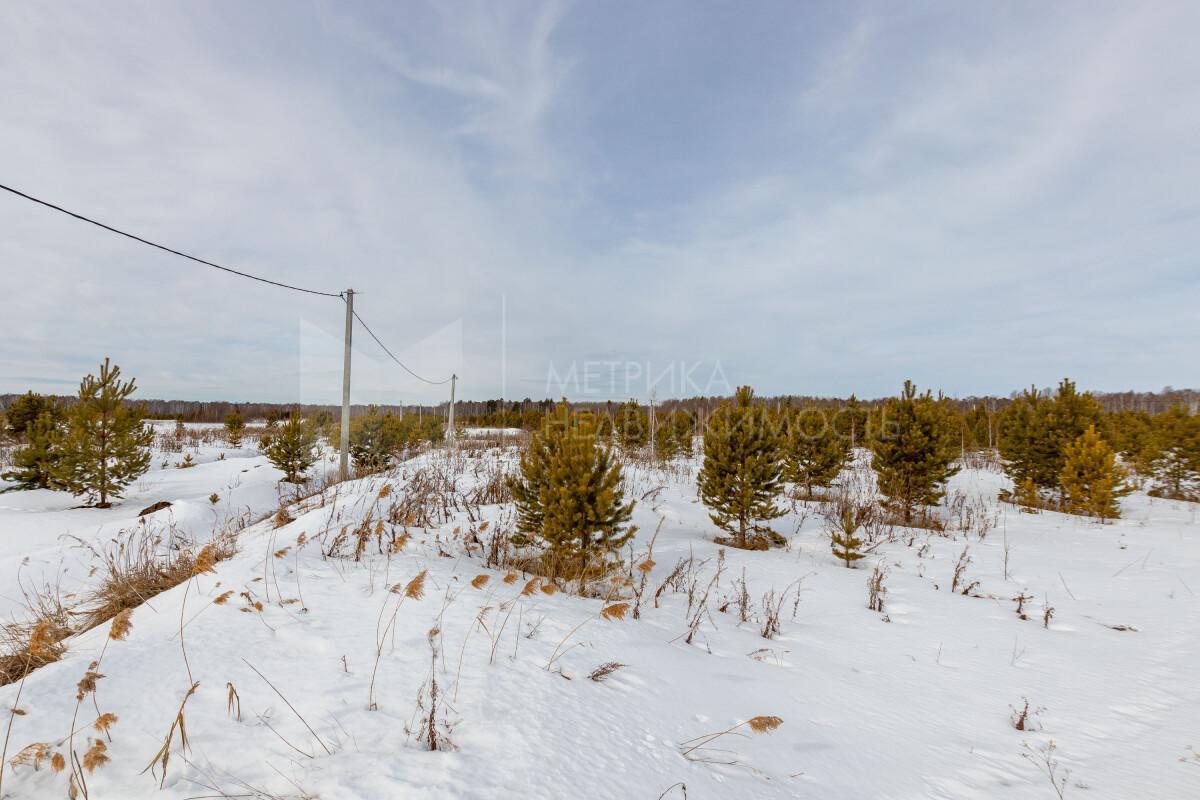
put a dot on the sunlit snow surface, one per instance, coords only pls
(913, 707)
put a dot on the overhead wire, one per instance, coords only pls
(171, 250)
(229, 270)
(367, 328)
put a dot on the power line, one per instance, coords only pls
(367, 328)
(164, 247)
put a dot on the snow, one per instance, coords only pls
(914, 702)
(45, 533)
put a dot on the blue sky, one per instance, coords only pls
(807, 197)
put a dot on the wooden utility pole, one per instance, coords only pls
(344, 464)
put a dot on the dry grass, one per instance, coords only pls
(25, 646)
(695, 749)
(876, 589)
(179, 724)
(413, 590)
(605, 670)
(135, 570)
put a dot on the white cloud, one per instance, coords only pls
(977, 200)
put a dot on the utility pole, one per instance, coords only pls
(344, 468)
(652, 424)
(450, 433)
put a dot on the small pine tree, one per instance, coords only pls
(292, 447)
(568, 497)
(1025, 444)
(1174, 440)
(25, 409)
(35, 463)
(1036, 431)
(1091, 479)
(1027, 495)
(815, 452)
(851, 422)
(375, 439)
(1132, 435)
(666, 446)
(978, 432)
(845, 545)
(683, 428)
(914, 448)
(604, 426)
(235, 426)
(632, 425)
(105, 446)
(742, 471)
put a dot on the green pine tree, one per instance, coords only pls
(851, 422)
(235, 427)
(35, 463)
(978, 430)
(1036, 431)
(815, 452)
(569, 498)
(25, 409)
(914, 448)
(105, 446)
(666, 446)
(1132, 436)
(1091, 479)
(683, 429)
(292, 447)
(845, 545)
(375, 439)
(604, 426)
(742, 472)
(1025, 444)
(632, 426)
(1174, 441)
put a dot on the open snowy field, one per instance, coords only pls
(302, 676)
(48, 538)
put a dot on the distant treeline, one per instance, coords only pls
(527, 413)
(216, 411)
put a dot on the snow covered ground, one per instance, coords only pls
(913, 702)
(44, 535)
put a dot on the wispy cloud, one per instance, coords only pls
(822, 199)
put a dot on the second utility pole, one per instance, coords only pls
(344, 466)
(450, 432)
